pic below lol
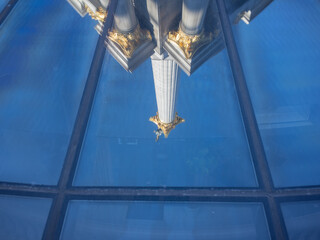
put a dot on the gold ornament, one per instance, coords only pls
(99, 15)
(166, 127)
(189, 44)
(129, 42)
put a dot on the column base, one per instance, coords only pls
(201, 55)
(166, 127)
(99, 15)
(129, 42)
(189, 44)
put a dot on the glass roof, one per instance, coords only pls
(168, 220)
(79, 157)
(281, 69)
(39, 66)
(123, 147)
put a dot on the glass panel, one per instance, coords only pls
(3, 3)
(164, 220)
(280, 53)
(120, 147)
(45, 53)
(302, 219)
(23, 217)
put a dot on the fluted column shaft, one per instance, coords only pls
(125, 17)
(93, 5)
(104, 3)
(166, 75)
(78, 6)
(193, 14)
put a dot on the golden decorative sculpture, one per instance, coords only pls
(166, 127)
(99, 15)
(129, 42)
(189, 44)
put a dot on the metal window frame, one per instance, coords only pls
(7, 9)
(266, 193)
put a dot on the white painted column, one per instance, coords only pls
(79, 6)
(93, 5)
(193, 14)
(166, 75)
(125, 18)
(104, 3)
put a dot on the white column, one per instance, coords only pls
(193, 14)
(125, 17)
(166, 75)
(78, 6)
(104, 3)
(91, 4)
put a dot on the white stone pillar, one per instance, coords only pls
(193, 14)
(166, 75)
(125, 18)
(79, 6)
(91, 4)
(104, 3)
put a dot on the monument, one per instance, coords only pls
(176, 34)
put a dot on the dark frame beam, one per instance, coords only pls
(249, 119)
(59, 205)
(281, 194)
(6, 11)
(274, 215)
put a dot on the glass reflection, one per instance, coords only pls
(302, 219)
(23, 217)
(184, 40)
(281, 58)
(3, 4)
(43, 68)
(119, 147)
(164, 220)
(211, 141)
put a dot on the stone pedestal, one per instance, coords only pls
(129, 44)
(191, 45)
